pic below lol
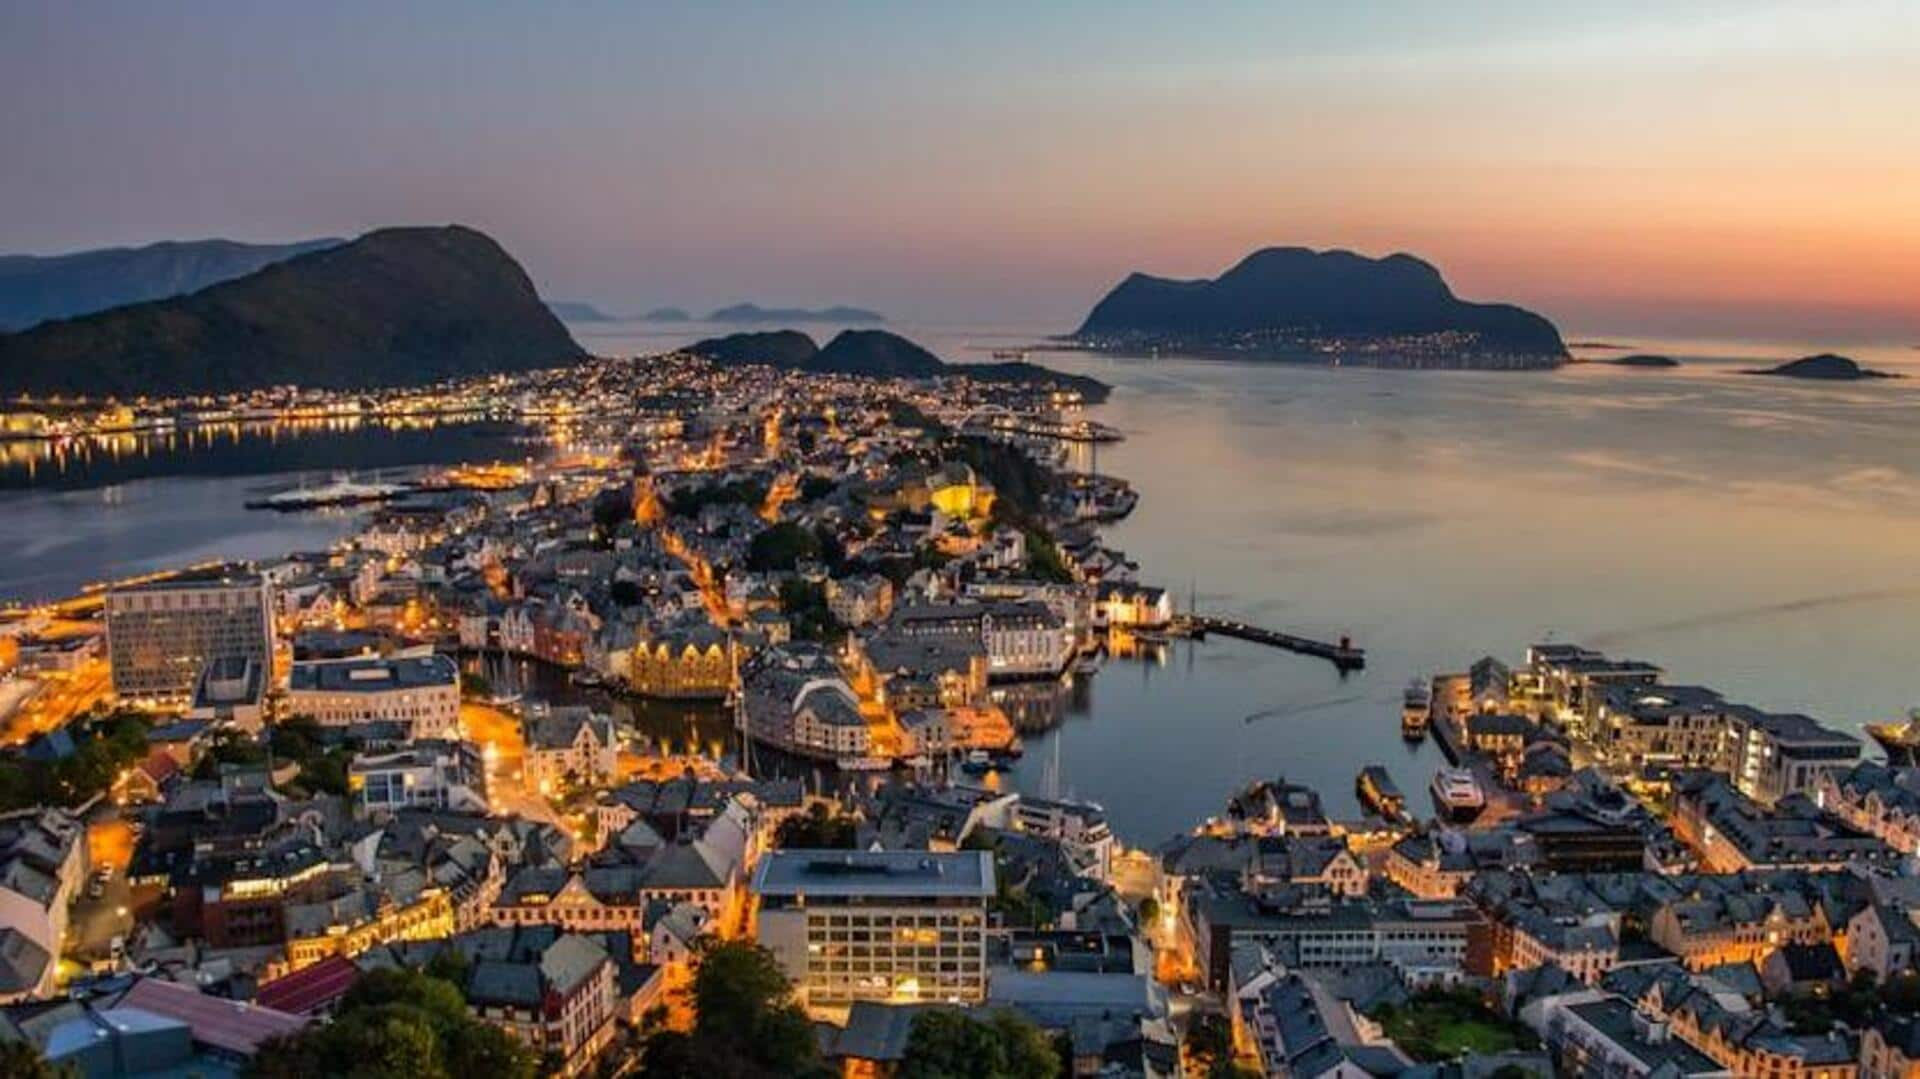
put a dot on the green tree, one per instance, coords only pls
(20, 1060)
(817, 829)
(782, 547)
(947, 1043)
(746, 1023)
(402, 1024)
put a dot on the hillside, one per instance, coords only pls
(395, 307)
(876, 354)
(35, 288)
(1298, 303)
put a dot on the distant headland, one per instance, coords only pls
(754, 313)
(877, 354)
(1825, 367)
(1293, 303)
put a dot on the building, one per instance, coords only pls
(693, 663)
(572, 745)
(1732, 832)
(425, 775)
(1079, 827)
(1126, 605)
(899, 926)
(1427, 941)
(559, 998)
(161, 635)
(1591, 1032)
(859, 601)
(231, 692)
(43, 860)
(420, 691)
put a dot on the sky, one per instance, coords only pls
(1734, 170)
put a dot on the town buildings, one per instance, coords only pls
(162, 635)
(420, 692)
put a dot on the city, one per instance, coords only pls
(987, 541)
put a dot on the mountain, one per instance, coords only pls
(397, 306)
(35, 288)
(576, 311)
(877, 354)
(747, 312)
(1292, 301)
(788, 349)
(1825, 367)
(668, 314)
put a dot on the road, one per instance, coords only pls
(498, 733)
(62, 698)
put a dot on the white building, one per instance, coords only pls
(43, 860)
(426, 775)
(422, 691)
(898, 926)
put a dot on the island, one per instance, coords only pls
(878, 354)
(37, 288)
(1293, 303)
(747, 312)
(576, 311)
(667, 314)
(1640, 359)
(1825, 367)
(398, 306)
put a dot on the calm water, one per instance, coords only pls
(135, 504)
(1751, 534)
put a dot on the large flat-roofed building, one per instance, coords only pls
(162, 635)
(421, 691)
(899, 926)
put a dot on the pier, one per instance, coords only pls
(1343, 654)
(993, 421)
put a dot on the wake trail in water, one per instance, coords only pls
(1748, 614)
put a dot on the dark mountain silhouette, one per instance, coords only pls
(877, 354)
(1641, 359)
(747, 312)
(35, 288)
(1826, 367)
(397, 306)
(1396, 309)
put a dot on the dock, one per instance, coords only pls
(1342, 654)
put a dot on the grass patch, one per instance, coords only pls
(1443, 1024)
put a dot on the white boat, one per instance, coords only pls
(343, 491)
(1458, 795)
(978, 762)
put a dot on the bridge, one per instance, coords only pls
(1343, 654)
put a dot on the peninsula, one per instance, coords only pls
(747, 312)
(1292, 303)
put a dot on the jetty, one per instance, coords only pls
(1343, 654)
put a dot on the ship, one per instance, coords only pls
(343, 491)
(1900, 741)
(1378, 792)
(1457, 795)
(1416, 710)
(1010, 354)
(978, 763)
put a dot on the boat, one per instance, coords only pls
(978, 762)
(863, 764)
(1379, 793)
(1416, 711)
(343, 491)
(586, 676)
(1458, 795)
(1900, 741)
(1086, 665)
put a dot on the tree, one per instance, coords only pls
(20, 1060)
(947, 1043)
(782, 547)
(746, 1023)
(1209, 1047)
(402, 1024)
(817, 829)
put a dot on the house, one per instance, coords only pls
(1803, 968)
(1883, 939)
(556, 994)
(571, 745)
(43, 860)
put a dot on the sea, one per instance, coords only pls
(1755, 535)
